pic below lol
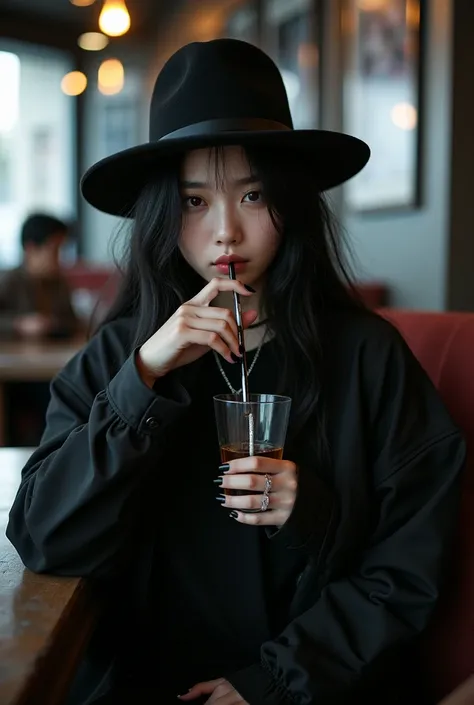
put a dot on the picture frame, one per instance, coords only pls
(289, 32)
(383, 101)
(291, 36)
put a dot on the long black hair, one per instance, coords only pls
(306, 280)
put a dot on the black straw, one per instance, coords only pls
(240, 337)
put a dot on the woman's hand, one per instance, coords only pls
(220, 690)
(192, 330)
(249, 474)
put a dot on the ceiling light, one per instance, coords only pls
(372, 5)
(74, 83)
(82, 3)
(111, 77)
(114, 18)
(404, 116)
(93, 41)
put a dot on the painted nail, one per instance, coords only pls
(234, 357)
(221, 498)
(224, 468)
(241, 349)
(233, 515)
(250, 288)
(218, 481)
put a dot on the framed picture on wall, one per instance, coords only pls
(291, 36)
(382, 100)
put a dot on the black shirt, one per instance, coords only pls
(195, 646)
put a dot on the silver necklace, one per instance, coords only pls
(237, 391)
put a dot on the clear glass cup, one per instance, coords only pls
(255, 427)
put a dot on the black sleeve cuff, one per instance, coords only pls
(313, 516)
(146, 410)
(257, 687)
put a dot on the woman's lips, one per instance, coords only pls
(224, 268)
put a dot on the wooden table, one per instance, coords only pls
(463, 695)
(22, 361)
(45, 621)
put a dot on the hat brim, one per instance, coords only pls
(114, 184)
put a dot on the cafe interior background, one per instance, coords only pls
(75, 84)
(74, 88)
(392, 72)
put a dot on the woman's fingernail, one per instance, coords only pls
(235, 357)
(221, 498)
(250, 288)
(218, 481)
(224, 468)
(233, 515)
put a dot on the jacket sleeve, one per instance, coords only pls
(323, 654)
(72, 514)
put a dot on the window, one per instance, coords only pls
(36, 141)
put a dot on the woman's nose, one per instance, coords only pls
(227, 227)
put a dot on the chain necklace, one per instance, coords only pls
(238, 391)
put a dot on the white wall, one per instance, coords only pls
(409, 251)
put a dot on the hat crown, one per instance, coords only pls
(224, 80)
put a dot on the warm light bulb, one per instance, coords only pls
(111, 77)
(74, 83)
(82, 3)
(114, 18)
(372, 5)
(404, 116)
(93, 41)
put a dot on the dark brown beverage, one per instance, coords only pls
(234, 451)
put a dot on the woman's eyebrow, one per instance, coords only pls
(245, 181)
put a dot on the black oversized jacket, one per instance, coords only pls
(374, 526)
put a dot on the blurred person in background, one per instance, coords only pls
(35, 300)
(35, 304)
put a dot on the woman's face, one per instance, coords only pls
(224, 215)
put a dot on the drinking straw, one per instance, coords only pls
(243, 367)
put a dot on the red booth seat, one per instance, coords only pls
(444, 345)
(373, 294)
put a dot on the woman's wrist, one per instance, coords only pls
(145, 373)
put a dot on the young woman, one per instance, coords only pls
(315, 599)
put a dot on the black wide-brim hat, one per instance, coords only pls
(222, 92)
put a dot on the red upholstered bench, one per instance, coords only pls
(444, 345)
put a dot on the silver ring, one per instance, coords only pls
(268, 485)
(265, 502)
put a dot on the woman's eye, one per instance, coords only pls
(194, 201)
(253, 196)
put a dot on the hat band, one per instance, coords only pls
(213, 127)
